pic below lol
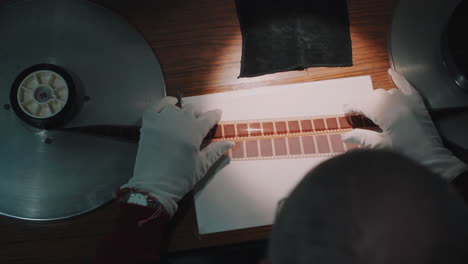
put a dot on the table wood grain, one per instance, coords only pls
(199, 45)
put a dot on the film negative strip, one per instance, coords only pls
(266, 139)
(286, 138)
(290, 147)
(280, 127)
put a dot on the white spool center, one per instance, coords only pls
(42, 94)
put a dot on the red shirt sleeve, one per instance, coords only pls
(136, 236)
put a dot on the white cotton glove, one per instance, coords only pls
(169, 162)
(407, 128)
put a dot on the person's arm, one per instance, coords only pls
(169, 163)
(406, 128)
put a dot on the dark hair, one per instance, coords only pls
(371, 207)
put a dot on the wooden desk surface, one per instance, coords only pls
(198, 43)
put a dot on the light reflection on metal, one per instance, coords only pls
(52, 174)
(415, 50)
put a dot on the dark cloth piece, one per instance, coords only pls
(282, 35)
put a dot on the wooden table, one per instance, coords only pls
(198, 43)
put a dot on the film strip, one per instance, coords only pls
(287, 138)
(265, 139)
(290, 147)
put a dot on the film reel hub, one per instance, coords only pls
(44, 96)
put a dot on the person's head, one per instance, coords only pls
(371, 207)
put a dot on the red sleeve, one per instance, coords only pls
(136, 236)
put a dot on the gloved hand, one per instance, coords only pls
(169, 162)
(407, 128)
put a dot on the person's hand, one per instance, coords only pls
(407, 128)
(169, 161)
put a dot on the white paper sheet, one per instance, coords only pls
(246, 193)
